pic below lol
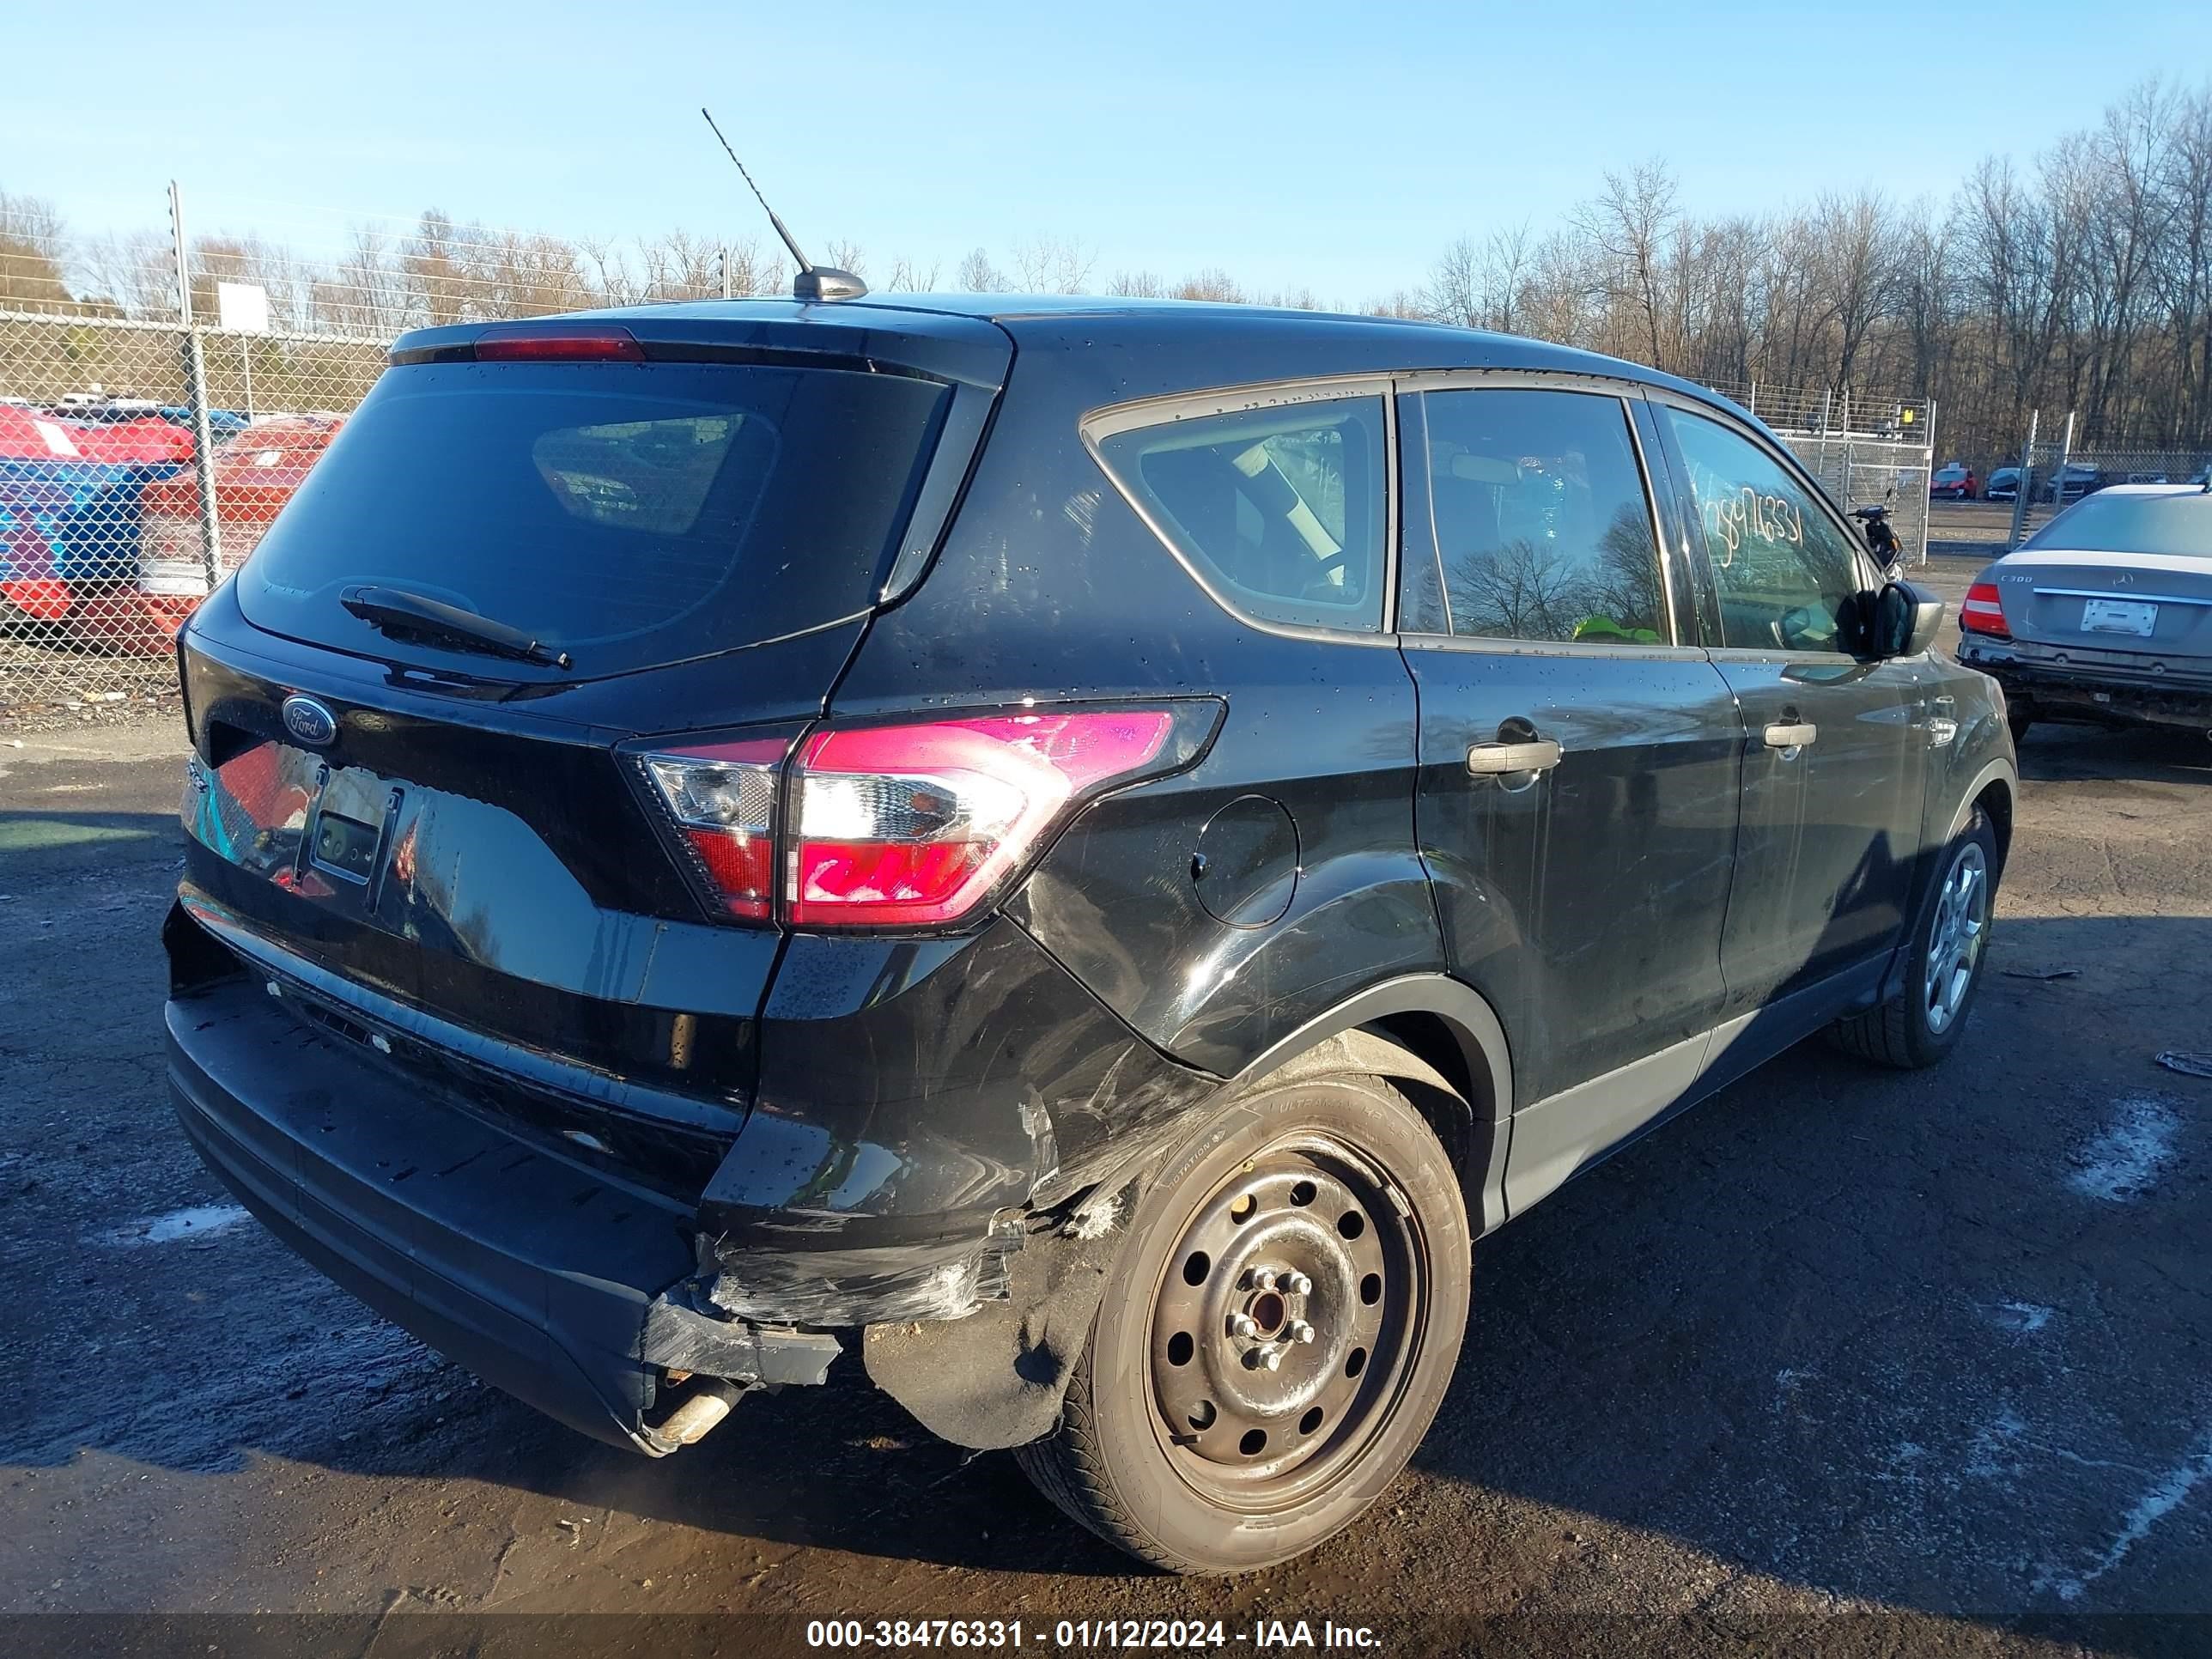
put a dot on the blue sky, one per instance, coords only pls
(1289, 142)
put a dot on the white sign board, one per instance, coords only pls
(243, 306)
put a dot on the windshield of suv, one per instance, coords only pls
(2170, 522)
(630, 514)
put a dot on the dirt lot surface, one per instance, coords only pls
(1842, 1360)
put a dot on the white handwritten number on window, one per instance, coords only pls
(1774, 519)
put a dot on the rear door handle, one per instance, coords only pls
(1781, 736)
(1490, 759)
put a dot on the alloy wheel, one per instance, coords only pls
(1954, 944)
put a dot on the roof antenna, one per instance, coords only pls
(813, 282)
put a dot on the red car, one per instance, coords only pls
(256, 471)
(1954, 482)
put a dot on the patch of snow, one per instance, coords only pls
(2166, 1494)
(202, 1221)
(2121, 1162)
(2021, 1318)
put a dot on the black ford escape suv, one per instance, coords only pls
(1079, 852)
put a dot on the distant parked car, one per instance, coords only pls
(256, 471)
(2072, 482)
(70, 498)
(2104, 614)
(1952, 483)
(2004, 484)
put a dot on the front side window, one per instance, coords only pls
(1280, 509)
(1782, 567)
(1541, 520)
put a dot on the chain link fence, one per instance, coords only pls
(118, 512)
(2052, 474)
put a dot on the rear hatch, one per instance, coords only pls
(2126, 574)
(419, 803)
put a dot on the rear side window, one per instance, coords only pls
(1542, 525)
(1279, 511)
(1782, 567)
(630, 514)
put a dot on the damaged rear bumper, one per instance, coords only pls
(2076, 691)
(571, 1292)
(899, 1153)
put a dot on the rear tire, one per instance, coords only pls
(1918, 1026)
(1179, 1442)
(2019, 718)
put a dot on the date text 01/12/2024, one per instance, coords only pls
(1165, 1634)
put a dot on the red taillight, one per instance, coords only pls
(1983, 612)
(604, 345)
(722, 797)
(895, 826)
(903, 826)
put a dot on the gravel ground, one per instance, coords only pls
(1840, 1361)
(47, 687)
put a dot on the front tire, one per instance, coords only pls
(1274, 1338)
(1918, 1026)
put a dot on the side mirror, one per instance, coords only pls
(1906, 619)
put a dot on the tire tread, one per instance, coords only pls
(1066, 1468)
(1878, 1035)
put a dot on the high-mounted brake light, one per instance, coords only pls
(1983, 612)
(605, 345)
(722, 797)
(903, 826)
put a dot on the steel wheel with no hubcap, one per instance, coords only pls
(1282, 1325)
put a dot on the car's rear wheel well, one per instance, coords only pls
(1427, 1037)
(1994, 804)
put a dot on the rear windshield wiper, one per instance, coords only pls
(396, 612)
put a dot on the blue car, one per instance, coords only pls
(66, 520)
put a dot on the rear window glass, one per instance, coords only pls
(1278, 509)
(629, 515)
(2131, 524)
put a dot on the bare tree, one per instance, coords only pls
(1855, 238)
(434, 264)
(977, 275)
(1629, 223)
(1053, 265)
(1453, 291)
(33, 247)
(909, 276)
(1212, 283)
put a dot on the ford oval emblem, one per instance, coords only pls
(309, 721)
